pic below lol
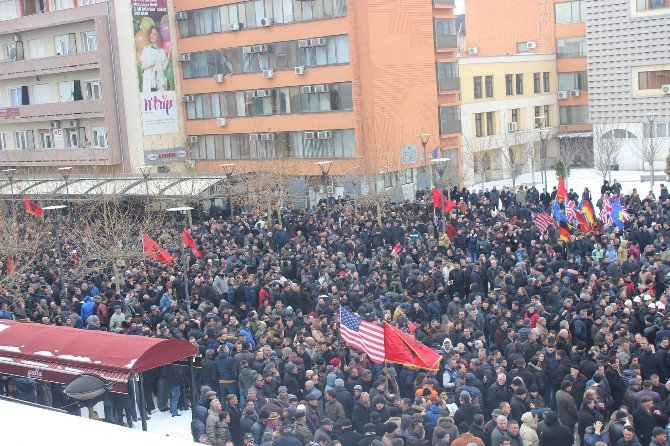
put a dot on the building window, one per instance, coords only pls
(447, 76)
(3, 141)
(479, 126)
(574, 114)
(445, 33)
(36, 48)
(547, 116)
(65, 44)
(545, 82)
(538, 117)
(94, 90)
(536, 82)
(9, 9)
(653, 80)
(450, 119)
(570, 12)
(509, 84)
(519, 83)
(490, 124)
(647, 5)
(570, 47)
(89, 41)
(46, 139)
(661, 130)
(23, 139)
(41, 94)
(99, 136)
(489, 86)
(58, 5)
(515, 115)
(73, 137)
(15, 95)
(522, 47)
(577, 80)
(477, 81)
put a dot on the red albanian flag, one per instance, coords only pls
(33, 208)
(154, 251)
(187, 240)
(402, 349)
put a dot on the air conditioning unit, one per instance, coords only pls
(218, 78)
(512, 127)
(247, 49)
(319, 41)
(575, 93)
(303, 43)
(181, 16)
(323, 88)
(253, 137)
(268, 74)
(267, 136)
(188, 98)
(306, 89)
(324, 135)
(184, 57)
(300, 70)
(562, 95)
(221, 122)
(259, 49)
(262, 93)
(235, 26)
(666, 89)
(73, 123)
(55, 124)
(310, 135)
(192, 139)
(531, 45)
(473, 50)
(266, 21)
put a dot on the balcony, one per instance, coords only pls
(53, 112)
(49, 65)
(54, 18)
(448, 84)
(57, 157)
(444, 2)
(446, 42)
(450, 127)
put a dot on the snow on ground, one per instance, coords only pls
(580, 178)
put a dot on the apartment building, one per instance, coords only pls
(629, 77)
(69, 89)
(302, 81)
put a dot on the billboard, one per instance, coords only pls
(155, 68)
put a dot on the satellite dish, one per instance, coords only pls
(87, 387)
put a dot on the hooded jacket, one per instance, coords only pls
(527, 431)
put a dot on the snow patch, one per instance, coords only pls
(75, 358)
(44, 353)
(4, 327)
(10, 348)
(131, 363)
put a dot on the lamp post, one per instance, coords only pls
(651, 118)
(146, 173)
(185, 210)
(65, 173)
(228, 169)
(9, 173)
(441, 165)
(425, 137)
(324, 166)
(59, 251)
(544, 135)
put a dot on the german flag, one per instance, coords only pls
(564, 231)
(589, 213)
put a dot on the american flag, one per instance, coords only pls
(362, 335)
(606, 212)
(543, 221)
(570, 211)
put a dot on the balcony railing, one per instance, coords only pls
(49, 65)
(450, 127)
(57, 157)
(53, 112)
(448, 84)
(446, 42)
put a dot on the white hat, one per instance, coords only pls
(652, 305)
(660, 306)
(647, 297)
(628, 303)
(637, 299)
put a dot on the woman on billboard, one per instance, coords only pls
(154, 62)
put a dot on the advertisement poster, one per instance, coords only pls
(155, 69)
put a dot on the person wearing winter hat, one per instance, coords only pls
(466, 438)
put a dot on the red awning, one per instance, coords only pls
(59, 354)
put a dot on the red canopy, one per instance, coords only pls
(59, 354)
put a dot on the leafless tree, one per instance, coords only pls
(23, 239)
(572, 149)
(476, 159)
(607, 143)
(651, 150)
(515, 153)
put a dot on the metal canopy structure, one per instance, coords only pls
(60, 354)
(120, 185)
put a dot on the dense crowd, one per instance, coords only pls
(544, 341)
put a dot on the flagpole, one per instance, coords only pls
(185, 210)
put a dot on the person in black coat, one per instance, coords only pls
(555, 434)
(467, 409)
(518, 404)
(232, 407)
(586, 417)
(348, 437)
(361, 412)
(291, 381)
(209, 376)
(644, 420)
(498, 392)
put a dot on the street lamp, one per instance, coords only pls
(324, 166)
(441, 165)
(59, 251)
(424, 137)
(228, 169)
(9, 173)
(146, 173)
(65, 173)
(544, 135)
(185, 210)
(651, 117)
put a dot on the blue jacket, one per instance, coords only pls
(198, 426)
(87, 308)
(433, 414)
(6, 315)
(165, 301)
(225, 365)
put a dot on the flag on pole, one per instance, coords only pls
(438, 198)
(558, 214)
(587, 209)
(362, 335)
(570, 211)
(616, 213)
(543, 221)
(187, 240)
(403, 349)
(565, 232)
(154, 251)
(582, 223)
(32, 208)
(561, 193)
(606, 212)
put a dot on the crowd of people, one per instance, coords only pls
(544, 341)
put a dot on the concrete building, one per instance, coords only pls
(297, 82)
(69, 91)
(628, 43)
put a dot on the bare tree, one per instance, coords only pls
(607, 147)
(476, 158)
(22, 241)
(650, 150)
(570, 150)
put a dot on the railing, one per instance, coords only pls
(449, 84)
(48, 157)
(47, 65)
(54, 111)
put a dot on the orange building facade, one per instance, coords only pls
(265, 81)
